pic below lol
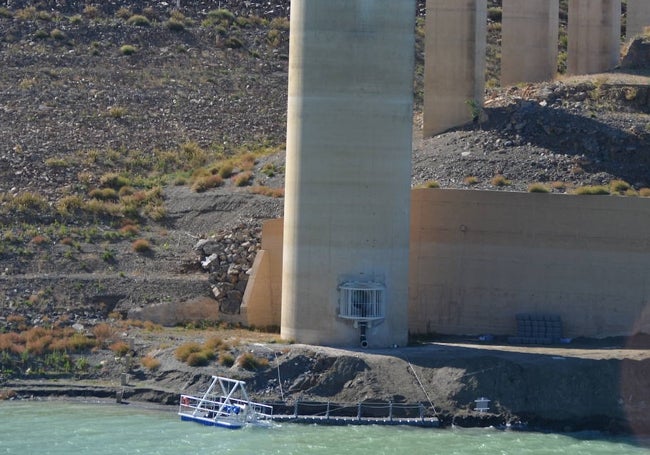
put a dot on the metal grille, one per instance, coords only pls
(362, 301)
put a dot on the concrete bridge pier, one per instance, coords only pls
(638, 17)
(594, 36)
(347, 191)
(454, 74)
(529, 40)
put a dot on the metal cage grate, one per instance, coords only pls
(362, 301)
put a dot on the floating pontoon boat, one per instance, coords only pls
(224, 404)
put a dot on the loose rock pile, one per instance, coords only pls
(228, 257)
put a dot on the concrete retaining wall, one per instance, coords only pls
(478, 258)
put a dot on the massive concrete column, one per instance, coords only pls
(638, 17)
(594, 35)
(454, 73)
(349, 139)
(529, 40)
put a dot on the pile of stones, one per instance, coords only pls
(228, 257)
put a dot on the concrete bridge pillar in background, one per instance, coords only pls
(529, 40)
(594, 34)
(454, 75)
(638, 17)
(348, 172)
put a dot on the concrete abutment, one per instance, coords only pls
(349, 138)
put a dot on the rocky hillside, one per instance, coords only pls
(143, 146)
(135, 130)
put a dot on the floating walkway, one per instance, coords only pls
(365, 413)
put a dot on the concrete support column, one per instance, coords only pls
(349, 139)
(454, 74)
(594, 36)
(638, 17)
(529, 40)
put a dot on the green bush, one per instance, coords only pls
(249, 362)
(538, 188)
(499, 180)
(590, 190)
(185, 350)
(226, 359)
(233, 42)
(495, 14)
(128, 49)
(221, 15)
(619, 186)
(175, 25)
(243, 178)
(138, 20)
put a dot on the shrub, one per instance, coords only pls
(124, 13)
(538, 188)
(78, 342)
(185, 350)
(470, 180)
(200, 359)
(129, 230)
(4, 12)
(141, 246)
(243, 178)
(226, 359)
(26, 14)
(247, 161)
(499, 180)
(233, 42)
(150, 363)
(274, 38)
(57, 34)
(221, 15)
(28, 202)
(68, 205)
(41, 34)
(39, 346)
(431, 184)
(215, 343)
(249, 362)
(590, 190)
(269, 170)
(619, 186)
(175, 25)
(495, 13)
(56, 162)
(267, 191)
(128, 49)
(116, 111)
(202, 184)
(103, 332)
(226, 169)
(151, 326)
(91, 11)
(113, 180)
(280, 23)
(644, 192)
(138, 20)
(156, 212)
(104, 194)
(120, 348)
(39, 240)
(194, 154)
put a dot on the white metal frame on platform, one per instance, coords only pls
(224, 404)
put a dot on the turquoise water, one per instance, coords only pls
(72, 428)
